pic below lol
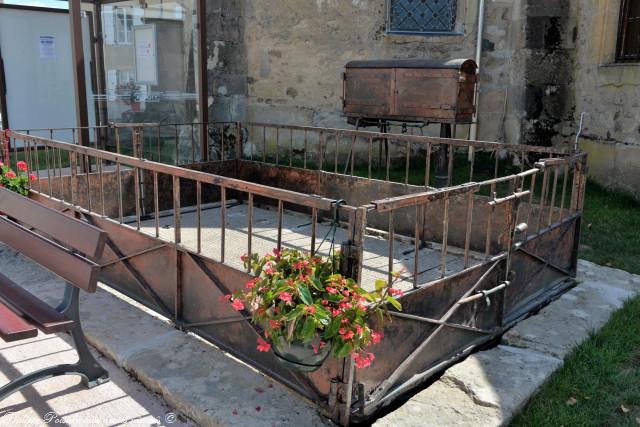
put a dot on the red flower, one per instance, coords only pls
(376, 337)
(310, 309)
(263, 345)
(358, 329)
(325, 302)
(10, 174)
(237, 304)
(348, 335)
(244, 257)
(396, 292)
(22, 165)
(276, 252)
(363, 360)
(251, 283)
(286, 297)
(32, 177)
(332, 290)
(274, 324)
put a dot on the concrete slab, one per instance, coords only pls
(204, 383)
(489, 388)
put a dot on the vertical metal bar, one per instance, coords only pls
(156, 203)
(198, 214)
(467, 235)
(277, 145)
(101, 179)
(79, 81)
(223, 221)
(370, 157)
(117, 131)
(496, 166)
(306, 147)
(406, 169)
(564, 191)
(38, 168)
(552, 204)
(427, 167)
(28, 161)
(290, 147)
(489, 227)
(46, 157)
(391, 238)
(445, 236)
(193, 144)
(352, 155)
(136, 191)
(87, 174)
(158, 144)
(416, 245)
(280, 209)
(543, 196)
(335, 157)
(320, 153)
(472, 154)
(314, 220)
(450, 166)
(388, 148)
(60, 178)
(177, 142)
(264, 144)
(177, 225)
(119, 174)
(74, 176)
(249, 226)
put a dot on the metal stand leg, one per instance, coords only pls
(87, 367)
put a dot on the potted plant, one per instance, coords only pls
(308, 311)
(18, 182)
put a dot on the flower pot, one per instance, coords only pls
(300, 356)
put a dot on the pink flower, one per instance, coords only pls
(224, 297)
(396, 292)
(358, 329)
(269, 270)
(274, 324)
(277, 252)
(237, 304)
(32, 177)
(335, 312)
(363, 360)
(251, 283)
(376, 337)
(263, 345)
(310, 309)
(348, 335)
(325, 302)
(244, 257)
(332, 290)
(286, 297)
(22, 165)
(10, 174)
(315, 348)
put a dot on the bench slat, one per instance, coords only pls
(14, 327)
(78, 271)
(42, 315)
(71, 232)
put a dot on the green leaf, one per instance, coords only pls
(333, 327)
(380, 284)
(309, 329)
(395, 303)
(305, 295)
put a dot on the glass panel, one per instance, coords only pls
(419, 16)
(150, 72)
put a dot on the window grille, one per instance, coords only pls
(628, 48)
(421, 16)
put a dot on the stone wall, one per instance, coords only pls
(282, 62)
(609, 94)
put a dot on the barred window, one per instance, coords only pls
(421, 16)
(629, 32)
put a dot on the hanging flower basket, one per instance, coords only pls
(308, 311)
(301, 356)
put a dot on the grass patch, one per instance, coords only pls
(599, 384)
(610, 228)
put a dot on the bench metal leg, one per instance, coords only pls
(87, 366)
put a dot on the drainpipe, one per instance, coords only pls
(473, 131)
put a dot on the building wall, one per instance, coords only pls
(543, 63)
(295, 52)
(609, 94)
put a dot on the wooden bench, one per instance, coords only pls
(67, 247)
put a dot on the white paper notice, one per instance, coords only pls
(47, 47)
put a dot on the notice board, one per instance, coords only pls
(146, 54)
